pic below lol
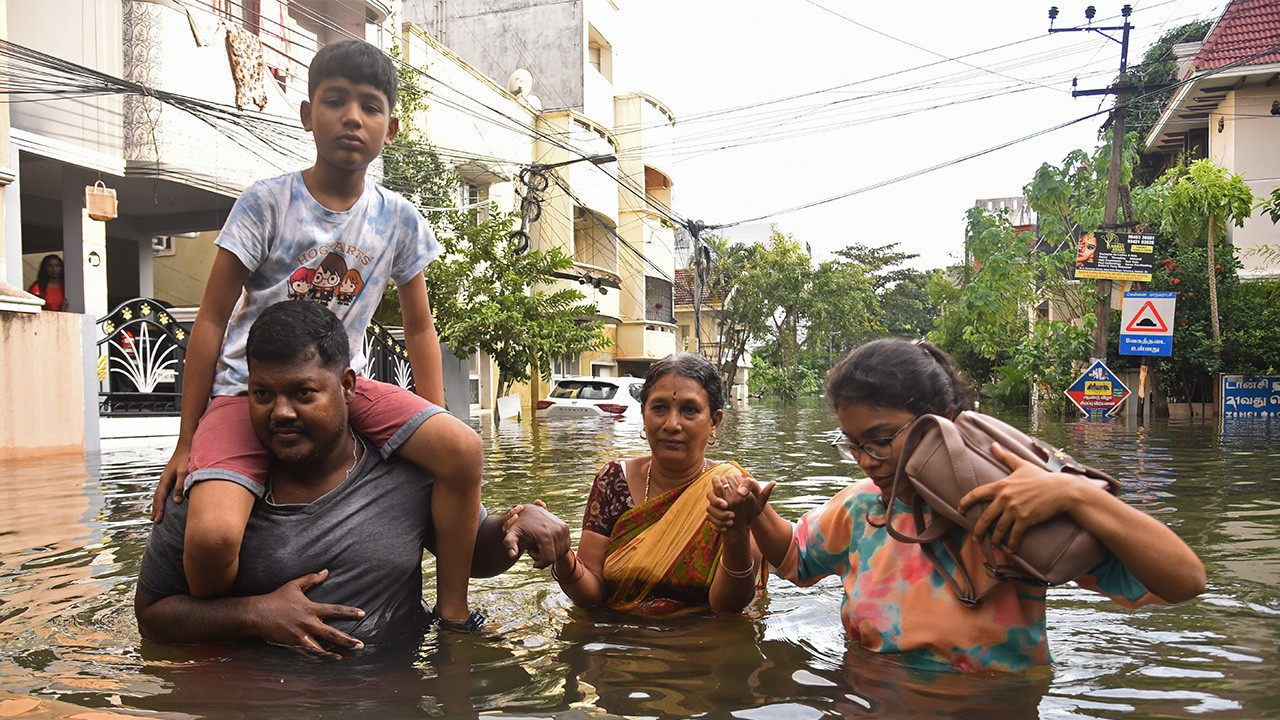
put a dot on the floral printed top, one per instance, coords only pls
(895, 602)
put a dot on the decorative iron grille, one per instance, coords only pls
(387, 356)
(142, 351)
(140, 358)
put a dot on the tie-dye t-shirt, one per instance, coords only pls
(895, 602)
(294, 247)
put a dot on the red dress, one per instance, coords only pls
(53, 295)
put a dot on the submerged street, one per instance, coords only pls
(69, 560)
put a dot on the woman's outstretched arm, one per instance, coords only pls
(1156, 556)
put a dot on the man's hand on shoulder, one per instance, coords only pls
(533, 529)
(286, 617)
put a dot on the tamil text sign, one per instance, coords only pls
(1146, 323)
(1245, 396)
(1098, 391)
(1115, 256)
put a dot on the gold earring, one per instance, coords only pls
(711, 440)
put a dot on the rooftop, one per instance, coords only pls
(1248, 31)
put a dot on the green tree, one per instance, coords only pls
(486, 295)
(738, 316)
(1158, 67)
(1201, 199)
(797, 311)
(779, 280)
(985, 320)
(900, 303)
(906, 307)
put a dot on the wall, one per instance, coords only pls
(1248, 145)
(164, 53)
(85, 32)
(41, 388)
(180, 278)
(499, 36)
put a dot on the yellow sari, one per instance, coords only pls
(663, 555)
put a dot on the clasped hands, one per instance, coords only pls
(531, 528)
(734, 501)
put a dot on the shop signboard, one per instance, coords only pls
(1105, 255)
(1098, 392)
(1250, 396)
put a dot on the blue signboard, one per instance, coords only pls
(1146, 323)
(1098, 391)
(1245, 396)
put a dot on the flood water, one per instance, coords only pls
(72, 535)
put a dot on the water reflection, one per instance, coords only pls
(72, 535)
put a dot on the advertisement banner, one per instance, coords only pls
(1106, 255)
(1098, 391)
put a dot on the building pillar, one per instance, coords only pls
(84, 262)
(11, 252)
(146, 269)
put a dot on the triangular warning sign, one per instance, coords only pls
(1147, 320)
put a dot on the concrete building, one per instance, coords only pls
(704, 322)
(612, 218)
(1229, 111)
(147, 103)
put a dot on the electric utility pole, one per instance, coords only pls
(1102, 310)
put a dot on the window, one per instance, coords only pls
(657, 294)
(162, 246)
(584, 390)
(565, 364)
(473, 197)
(599, 53)
(246, 12)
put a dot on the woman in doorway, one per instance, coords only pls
(48, 284)
(647, 546)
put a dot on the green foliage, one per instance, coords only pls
(1200, 199)
(804, 315)
(1158, 67)
(985, 319)
(1051, 355)
(769, 379)
(485, 295)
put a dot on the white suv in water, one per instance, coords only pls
(581, 396)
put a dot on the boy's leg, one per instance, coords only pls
(446, 447)
(228, 471)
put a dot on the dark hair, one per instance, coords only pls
(42, 275)
(357, 61)
(690, 365)
(896, 373)
(294, 329)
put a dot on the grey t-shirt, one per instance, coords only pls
(369, 531)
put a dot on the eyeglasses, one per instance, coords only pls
(879, 448)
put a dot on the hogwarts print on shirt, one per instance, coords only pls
(295, 248)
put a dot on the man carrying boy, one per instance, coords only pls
(327, 216)
(333, 551)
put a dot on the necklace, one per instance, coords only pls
(354, 458)
(355, 444)
(648, 477)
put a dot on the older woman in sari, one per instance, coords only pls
(646, 545)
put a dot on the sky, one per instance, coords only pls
(890, 118)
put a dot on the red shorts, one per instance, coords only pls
(226, 448)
